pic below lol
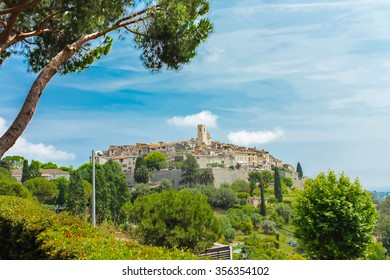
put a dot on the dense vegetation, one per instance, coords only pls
(193, 217)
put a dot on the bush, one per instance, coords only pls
(14, 189)
(28, 231)
(269, 227)
(175, 220)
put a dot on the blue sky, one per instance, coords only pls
(306, 80)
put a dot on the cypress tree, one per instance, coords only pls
(262, 200)
(26, 171)
(278, 186)
(299, 171)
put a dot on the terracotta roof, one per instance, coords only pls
(53, 171)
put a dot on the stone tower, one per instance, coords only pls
(203, 136)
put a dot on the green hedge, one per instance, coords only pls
(29, 231)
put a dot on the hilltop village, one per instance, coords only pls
(223, 158)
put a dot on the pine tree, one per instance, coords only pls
(278, 186)
(299, 171)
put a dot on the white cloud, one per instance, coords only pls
(365, 98)
(247, 138)
(307, 7)
(38, 151)
(205, 117)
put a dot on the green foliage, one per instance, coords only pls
(111, 189)
(229, 233)
(383, 230)
(241, 186)
(166, 184)
(154, 160)
(278, 186)
(376, 251)
(284, 211)
(30, 171)
(225, 198)
(175, 220)
(269, 227)
(43, 189)
(49, 165)
(244, 218)
(334, 218)
(299, 171)
(5, 175)
(206, 177)
(141, 175)
(14, 162)
(263, 210)
(13, 188)
(26, 171)
(31, 232)
(62, 186)
(173, 33)
(140, 190)
(222, 197)
(76, 201)
(264, 248)
(140, 161)
(189, 171)
(288, 181)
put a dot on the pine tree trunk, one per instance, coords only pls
(30, 104)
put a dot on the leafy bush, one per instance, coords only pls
(269, 227)
(12, 188)
(29, 231)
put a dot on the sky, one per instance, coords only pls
(307, 81)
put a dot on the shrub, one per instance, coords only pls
(29, 231)
(269, 227)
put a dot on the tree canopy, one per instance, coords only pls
(190, 171)
(172, 219)
(68, 36)
(155, 160)
(334, 218)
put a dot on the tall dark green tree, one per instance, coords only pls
(115, 181)
(66, 36)
(141, 172)
(299, 171)
(263, 178)
(111, 189)
(278, 186)
(25, 171)
(35, 167)
(140, 161)
(263, 210)
(76, 201)
(334, 218)
(63, 186)
(31, 171)
(190, 171)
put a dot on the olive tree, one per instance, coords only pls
(334, 218)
